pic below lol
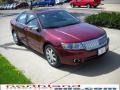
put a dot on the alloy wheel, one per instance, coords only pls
(51, 56)
(15, 37)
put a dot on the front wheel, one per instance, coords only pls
(79, 6)
(51, 56)
(95, 6)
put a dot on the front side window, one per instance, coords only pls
(33, 23)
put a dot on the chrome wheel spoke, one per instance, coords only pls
(50, 55)
(15, 37)
(54, 59)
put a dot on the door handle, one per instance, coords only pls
(25, 28)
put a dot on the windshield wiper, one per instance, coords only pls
(53, 27)
(72, 24)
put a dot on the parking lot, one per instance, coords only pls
(103, 70)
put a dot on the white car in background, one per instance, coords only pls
(59, 1)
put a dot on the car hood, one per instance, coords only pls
(76, 33)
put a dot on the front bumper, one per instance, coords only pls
(69, 56)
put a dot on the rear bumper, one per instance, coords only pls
(69, 56)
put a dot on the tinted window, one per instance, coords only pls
(30, 17)
(22, 18)
(33, 23)
(59, 18)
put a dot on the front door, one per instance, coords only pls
(33, 35)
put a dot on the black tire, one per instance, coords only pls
(16, 38)
(54, 63)
(72, 5)
(79, 6)
(88, 6)
(53, 4)
(94, 6)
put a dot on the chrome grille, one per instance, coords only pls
(95, 43)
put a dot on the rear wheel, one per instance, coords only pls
(16, 39)
(53, 4)
(72, 5)
(51, 56)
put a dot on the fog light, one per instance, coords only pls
(76, 60)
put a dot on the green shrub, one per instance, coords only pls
(105, 19)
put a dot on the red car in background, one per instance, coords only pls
(88, 3)
(61, 37)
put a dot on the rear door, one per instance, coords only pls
(20, 27)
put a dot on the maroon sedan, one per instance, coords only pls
(61, 37)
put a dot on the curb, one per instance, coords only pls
(7, 14)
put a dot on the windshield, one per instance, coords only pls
(56, 19)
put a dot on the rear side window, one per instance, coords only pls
(22, 18)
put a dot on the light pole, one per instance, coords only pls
(31, 7)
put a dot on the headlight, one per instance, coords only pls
(72, 46)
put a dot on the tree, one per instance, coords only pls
(1, 1)
(8, 1)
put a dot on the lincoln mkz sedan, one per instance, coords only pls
(61, 37)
